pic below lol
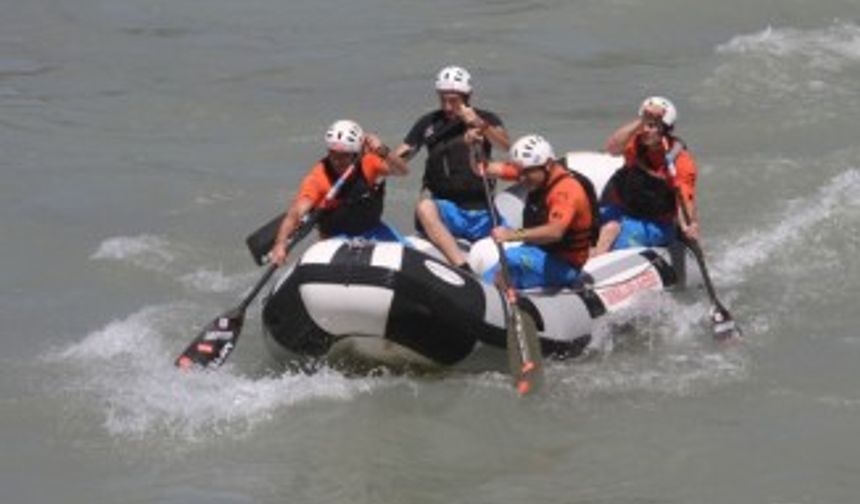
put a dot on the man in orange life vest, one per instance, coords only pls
(356, 209)
(655, 191)
(452, 204)
(559, 221)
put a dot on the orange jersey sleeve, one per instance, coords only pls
(373, 167)
(630, 151)
(315, 185)
(509, 171)
(685, 176)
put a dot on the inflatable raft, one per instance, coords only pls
(354, 301)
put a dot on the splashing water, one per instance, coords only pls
(791, 229)
(126, 367)
(798, 73)
(144, 251)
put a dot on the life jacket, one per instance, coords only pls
(593, 202)
(358, 206)
(448, 171)
(644, 193)
(574, 242)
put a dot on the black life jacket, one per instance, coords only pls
(448, 171)
(358, 206)
(535, 213)
(644, 194)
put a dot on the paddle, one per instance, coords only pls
(523, 345)
(724, 327)
(217, 340)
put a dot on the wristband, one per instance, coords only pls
(520, 234)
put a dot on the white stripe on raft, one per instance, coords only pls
(321, 252)
(360, 309)
(387, 255)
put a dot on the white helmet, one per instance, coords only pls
(344, 136)
(670, 113)
(454, 78)
(532, 150)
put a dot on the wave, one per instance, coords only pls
(158, 254)
(206, 280)
(146, 251)
(126, 367)
(811, 73)
(792, 228)
(829, 49)
(124, 370)
(660, 346)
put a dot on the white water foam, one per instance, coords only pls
(830, 49)
(206, 280)
(792, 227)
(666, 348)
(127, 368)
(158, 254)
(809, 74)
(144, 251)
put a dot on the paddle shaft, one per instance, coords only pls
(694, 246)
(696, 249)
(527, 346)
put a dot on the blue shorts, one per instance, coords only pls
(637, 232)
(381, 233)
(471, 225)
(531, 266)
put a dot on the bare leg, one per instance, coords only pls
(428, 215)
(608, 233)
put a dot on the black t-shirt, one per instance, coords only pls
(435, 122)
(448, 173)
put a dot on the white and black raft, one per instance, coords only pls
(357, 302)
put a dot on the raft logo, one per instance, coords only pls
(619, 293)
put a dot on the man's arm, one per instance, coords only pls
(300, 207)
(619, 138)
(688, 212)
(489, 127)
(392, 164)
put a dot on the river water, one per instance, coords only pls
(141, 141)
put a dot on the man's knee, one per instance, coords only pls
(609, 228)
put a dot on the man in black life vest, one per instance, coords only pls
(559, 218)
(452, 204)
(647, 199)
(356, 209)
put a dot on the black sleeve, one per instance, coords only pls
(415, 137)
(491, 118)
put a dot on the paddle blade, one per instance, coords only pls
(724, 327)
(524, 354)
(261, 241)
(214, 343)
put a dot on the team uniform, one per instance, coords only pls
(457, 191)
(356, 211)
(570, 201)
(644, 202)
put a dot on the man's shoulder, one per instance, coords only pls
(567, 185)
(431, 117)
(488, 115)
